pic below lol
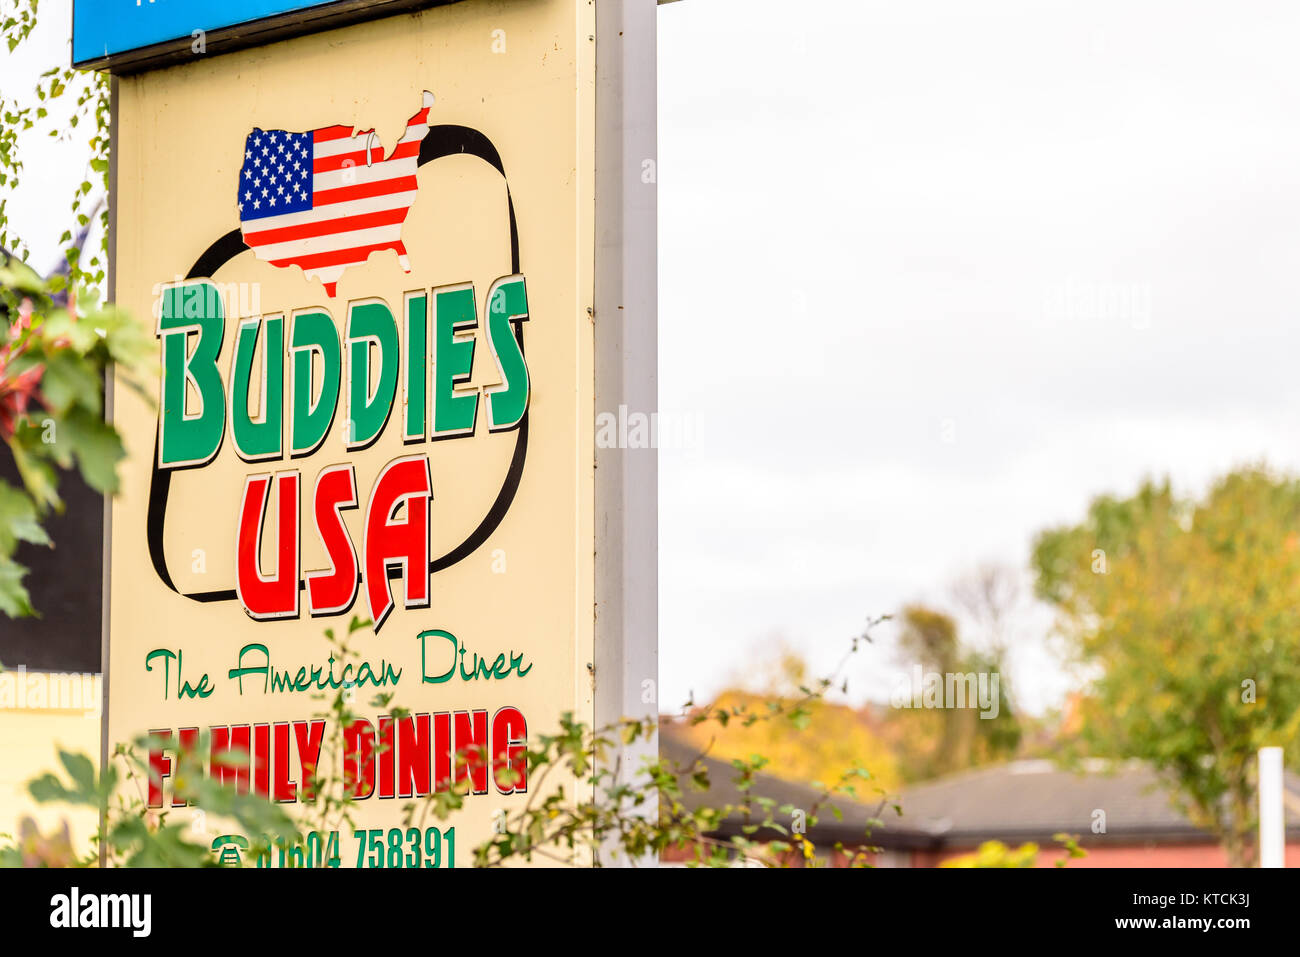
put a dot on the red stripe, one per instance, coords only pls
(333, 133)
(326, 164)
(337, 257)
(325, 227)
(382, 187)
(326, 133)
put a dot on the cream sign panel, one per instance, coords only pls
(366, 257)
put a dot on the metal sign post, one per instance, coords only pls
(1272, 814)
(627, 342)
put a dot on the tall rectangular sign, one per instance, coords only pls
(368, 257)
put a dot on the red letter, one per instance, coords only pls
(231, 756)
(276, 597)
(261, 760)
(387, 756)
(509, 747)
(359, 759)
(309, 735)
(285, 789)
(442, 751)
(471, 749)
(333, 591)
(404, 480)
(189, 766)
(413, 756)
(160, 766)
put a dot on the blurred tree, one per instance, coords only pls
(939, 741)
(838, 737)
(997, 854)
(56, 342)
(72, 107)
(1191, 612)
(990, 596)
(930, 638)
(54, 351)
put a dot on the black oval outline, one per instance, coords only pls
(440, 141)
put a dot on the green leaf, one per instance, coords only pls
(70, 379)
(81, 769)
(96, 446)
(47, 788)
(37, 475)
(18, 520)
(14, 599)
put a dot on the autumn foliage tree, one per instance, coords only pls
(54, 350)
(943, 740)
(835, 738)
(1188, 610)
(56, 339)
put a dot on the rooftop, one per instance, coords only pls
(1025, 800)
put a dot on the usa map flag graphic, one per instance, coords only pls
(326, 199)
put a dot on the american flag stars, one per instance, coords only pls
(276, 164)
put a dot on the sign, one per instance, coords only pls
(368, 258)
(118, 33)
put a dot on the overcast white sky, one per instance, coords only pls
(933, 274)
(870, 213)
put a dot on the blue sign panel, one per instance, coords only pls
(105, 28)
(128, 35)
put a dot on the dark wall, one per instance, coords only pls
(65, 582)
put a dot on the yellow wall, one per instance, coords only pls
(30, 739)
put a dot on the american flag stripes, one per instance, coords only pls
(325, 200)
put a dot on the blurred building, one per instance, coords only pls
(51, 691)
(1118, 812)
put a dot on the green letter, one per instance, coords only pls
(453, 413)
(370, 321)
(507, 303)
(185, 439)
(425, 677)
(263, 437)
(314, 332)
(417, 359)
